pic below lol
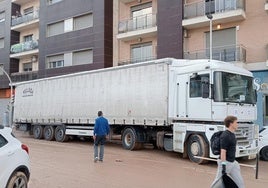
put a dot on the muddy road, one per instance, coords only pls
(70, 165)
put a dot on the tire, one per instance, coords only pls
(18, 180)
(129, 140)
(60, 135)
(196, 146)
(264, 153)
(49, 133)
(38, 131)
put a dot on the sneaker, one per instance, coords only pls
(101, 160)
(96, 159)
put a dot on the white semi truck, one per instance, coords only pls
(174, 104)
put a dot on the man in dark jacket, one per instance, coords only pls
(101, 131)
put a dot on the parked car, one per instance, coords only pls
(14, 161)
(263, 143)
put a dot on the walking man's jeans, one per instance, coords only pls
(233, 170)
(100, 140)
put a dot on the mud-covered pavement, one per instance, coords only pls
(70, 165)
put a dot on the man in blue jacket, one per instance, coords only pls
(101, 131)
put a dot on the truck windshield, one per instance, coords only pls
(235, 88)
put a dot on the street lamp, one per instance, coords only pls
(11, 95)
(209, 10)
(210, 17)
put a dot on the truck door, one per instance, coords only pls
(199, 102)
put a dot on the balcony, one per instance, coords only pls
(24, 49)
(137, 60)
(223, 12)
(141, 26)
(266, 5)
(21, 2)
(24, 76)
(126, 1)
(225, 53)
(23, 22)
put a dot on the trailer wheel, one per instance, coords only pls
(60, 135)
(49, 133)
(38, 131)
(264, 153)
(196, 146)
(129, 140)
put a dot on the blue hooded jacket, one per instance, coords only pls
(101, 127)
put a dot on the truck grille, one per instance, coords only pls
(244, 134)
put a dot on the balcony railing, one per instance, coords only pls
(136, 60)
(24, 76)
(196, 9)
(25, 18)
(225, 53)
(25, 46)
(137, 23)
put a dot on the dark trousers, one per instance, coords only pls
(100, 140)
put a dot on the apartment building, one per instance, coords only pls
(46, 38)
(239, 36)
(147, 29)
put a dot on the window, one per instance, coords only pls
(196, 85)
(68, 25)
(84, 21)
(224, 44)
(27, 67)
(142, 16)
(2, 43)
(2, 16)
(233, 88)
(3, 141)
(28, 11)
(55, 61)
(28, 38)
(82, 57)
(50, 2)
(141, 52)
(1, 69)
(55, 28)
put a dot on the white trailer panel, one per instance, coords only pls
(127, 95)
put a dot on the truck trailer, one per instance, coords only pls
(174, 104)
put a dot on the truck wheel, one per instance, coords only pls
(49, 133)
(264, 153)
(129, 140)
(196, 146)
(18, 180)
(38, 132)
(60, 135)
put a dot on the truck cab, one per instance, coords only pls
(205, 93)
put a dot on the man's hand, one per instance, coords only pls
(94, 137)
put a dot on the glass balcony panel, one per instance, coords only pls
(24, 18)
(137, 23)
(24, 76)
(196, 9)
(25, 46)
(225, 53)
